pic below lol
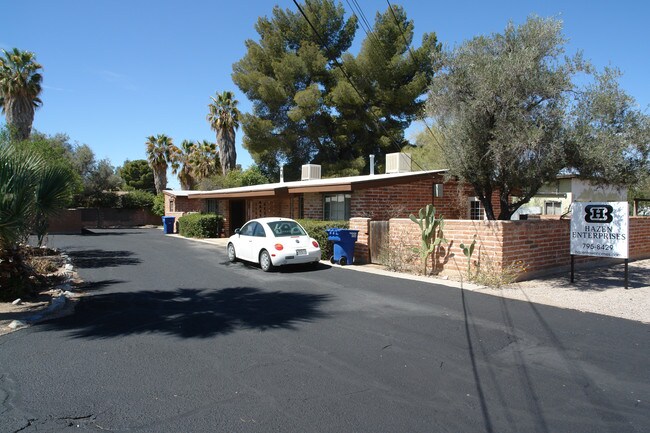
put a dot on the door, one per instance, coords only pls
(244, 243)
(378, 242)
(237, 214)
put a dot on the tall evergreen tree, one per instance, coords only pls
(287, 75)
(306, 110)
(392, 77)
(138, 175)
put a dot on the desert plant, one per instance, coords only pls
(401, 258)
(30, 192)
(492, 274)
(468, 250)
(431, 231)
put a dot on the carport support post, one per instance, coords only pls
(572, 266)
(626, 273)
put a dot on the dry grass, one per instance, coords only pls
(491, 274)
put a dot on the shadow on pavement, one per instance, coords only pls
(189, 313)
(98, 285)
(108, 232)
(102, 258)
(600, 279)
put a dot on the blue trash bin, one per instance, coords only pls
(343, 240)
(168, 225)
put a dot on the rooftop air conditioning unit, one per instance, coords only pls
(398, 162)
(310, 172)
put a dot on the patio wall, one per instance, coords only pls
(542, 246)
(74, 220)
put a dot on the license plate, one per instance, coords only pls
(301, 252)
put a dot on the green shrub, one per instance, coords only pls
(200, 225)
(158, 207)
(105, 199)
(137, 199)
(316, 230)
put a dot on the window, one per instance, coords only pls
(259, 231)
(171, 204)
(476, 211)
(248, 229)
(211, 206)
(336, 207)
(286, 228)
(553, 208)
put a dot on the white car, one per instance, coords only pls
(273, 242)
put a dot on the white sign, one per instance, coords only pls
(600, 229)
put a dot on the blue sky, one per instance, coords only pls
(117, 71)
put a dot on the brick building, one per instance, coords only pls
(394, 194)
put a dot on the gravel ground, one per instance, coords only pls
(596, 290)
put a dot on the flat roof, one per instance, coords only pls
(337, 184)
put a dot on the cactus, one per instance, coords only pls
(468, 250)
(431, 229)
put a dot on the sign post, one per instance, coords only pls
(600, 230)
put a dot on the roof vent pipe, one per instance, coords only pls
(282, 174)
(372, 164)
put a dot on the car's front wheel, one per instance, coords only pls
(232, 255)
(265, 261)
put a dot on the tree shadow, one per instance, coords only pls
(599, 280)
(109, 232)
(189, 313)
(87, 286)
(102, 258)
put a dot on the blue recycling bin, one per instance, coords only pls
(343, 240)
(168, 225)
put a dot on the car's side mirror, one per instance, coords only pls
(237, 231)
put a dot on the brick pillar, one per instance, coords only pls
(361, 250)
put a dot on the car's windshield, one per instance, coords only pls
(286, 228)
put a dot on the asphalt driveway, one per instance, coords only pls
(174, 338)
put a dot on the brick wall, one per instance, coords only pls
(361, 251)
(399, 201)
(313, 206)
(73, 220)
(183, 204)
(67, 221)
(541, 245)
(639, 237)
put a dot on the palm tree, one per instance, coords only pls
(20, 86)
(183, 165)
(205, 160)
(160, 153)
(223, 117)
(31, 190)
